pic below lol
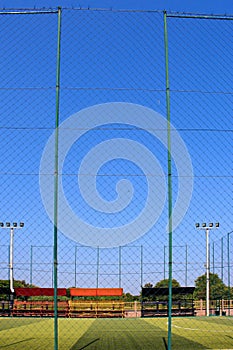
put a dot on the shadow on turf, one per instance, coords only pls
(84, 346)
(18, 342)
(165, 343)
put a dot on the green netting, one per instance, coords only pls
(98, 106)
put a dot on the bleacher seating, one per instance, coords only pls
(96, 309)
(68, 308)
(39, 308)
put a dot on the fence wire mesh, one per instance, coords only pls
(111, 232)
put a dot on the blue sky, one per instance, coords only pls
(203, 119)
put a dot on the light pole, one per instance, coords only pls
(206, 227)
(12, 227)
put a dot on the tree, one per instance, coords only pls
(161, 284)
(218, 290)
(148, 285)
(5, 287)
(165, 283)
(129, 297)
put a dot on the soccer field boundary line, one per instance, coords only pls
(186, 328)
(203, 330)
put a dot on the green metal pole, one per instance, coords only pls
(120, 267)
(229, 272)
(75, 266)
(98, 264)
(31, 254)
(141, 265)
(52, 274)
(164, 262)
(9, 293)
(8, 264)
(222, 258)
(55, 262)
(169, 184)
(186, 265)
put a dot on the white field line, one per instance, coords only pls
(201, 330)
(186, 328)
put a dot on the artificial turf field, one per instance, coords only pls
(116, 334)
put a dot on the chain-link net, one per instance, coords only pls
(28, 58)
(93, 193)
(201, 105)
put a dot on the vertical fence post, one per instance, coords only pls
(169, 181)
(31, 260)
(164, 262)
(207, 273)
(52, 274)
(186, 265)
(222, 258)
(75, 266)
(141, 265)
(213, 259)
(120, 267)
(98, 264)
(55, 262)
(229, 273)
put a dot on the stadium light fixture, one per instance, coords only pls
(207, 228)
(12, 227)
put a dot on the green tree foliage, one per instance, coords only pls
(17, 284)
(218, 290)
(165, 283)
(148, 285)
(129, 297)
(161, 284)
(5, 287)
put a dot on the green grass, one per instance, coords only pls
(117, 334)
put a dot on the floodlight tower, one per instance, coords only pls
(12, 227)
(206, 227)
